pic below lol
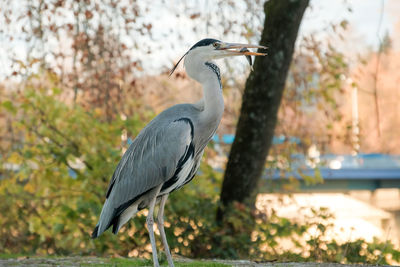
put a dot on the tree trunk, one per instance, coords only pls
(261, 101)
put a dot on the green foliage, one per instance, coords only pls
(275, 238)
(53, 184)
(64, 160)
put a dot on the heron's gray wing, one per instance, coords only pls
(150, 161)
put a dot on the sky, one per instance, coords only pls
(364, 16)
(364, 21)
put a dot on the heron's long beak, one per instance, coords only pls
(234, 49)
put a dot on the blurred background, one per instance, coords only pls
(79, 79)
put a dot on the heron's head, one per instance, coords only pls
(209, 49)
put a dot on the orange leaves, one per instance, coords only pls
(59, 3)
(88, 14)
(147, 26)
(195, 16)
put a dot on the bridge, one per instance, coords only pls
(339, 172)
(342, 173)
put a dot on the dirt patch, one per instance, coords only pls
(95, 261)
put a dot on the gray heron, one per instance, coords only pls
(166, 154)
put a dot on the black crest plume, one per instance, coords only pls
(204, 42)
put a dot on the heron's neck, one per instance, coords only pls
(207, 74)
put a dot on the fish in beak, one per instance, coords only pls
(234, 49)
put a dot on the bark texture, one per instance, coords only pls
(261, 101)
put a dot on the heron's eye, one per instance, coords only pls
(216, 45)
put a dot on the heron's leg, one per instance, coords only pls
(150, 223)
(160, 223)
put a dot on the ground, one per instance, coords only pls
(95, 261)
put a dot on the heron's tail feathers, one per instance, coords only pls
(117, 221)
(98, 230)
(105, 221)
(95, 233)
(124, 217)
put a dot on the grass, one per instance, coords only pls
(121, 262)
(10, 256)
(23, 260)
(201, 263)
